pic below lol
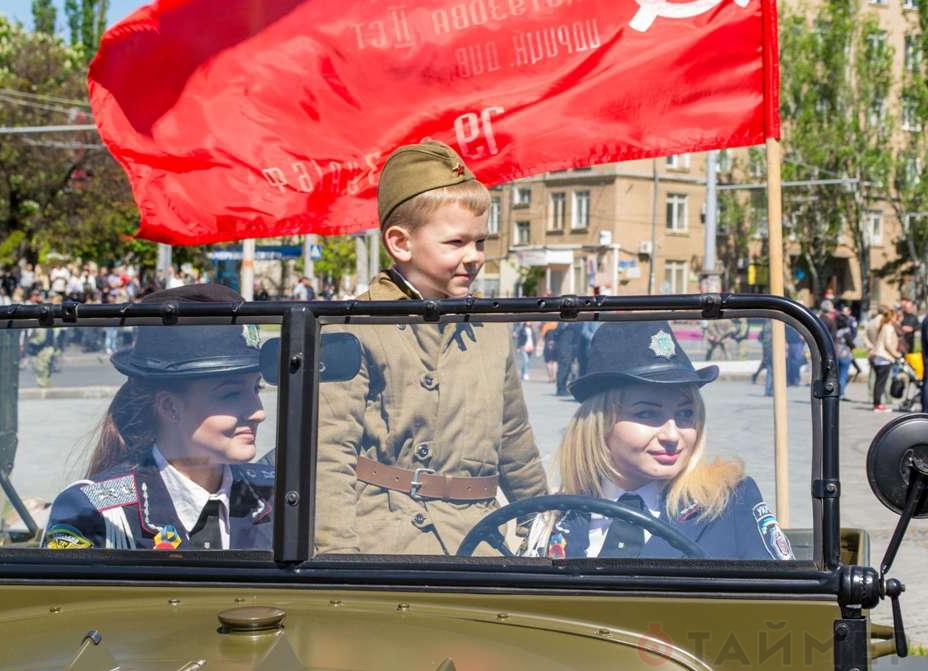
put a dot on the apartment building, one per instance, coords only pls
(638, 227)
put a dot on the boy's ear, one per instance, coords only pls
(397, 241)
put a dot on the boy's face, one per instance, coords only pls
(441, 258)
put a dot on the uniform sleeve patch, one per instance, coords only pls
(775, 540)
(66, 537)
(113, 493)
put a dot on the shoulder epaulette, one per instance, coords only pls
(112, 493)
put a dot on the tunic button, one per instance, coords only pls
(423, 451)
(418, 519)
(429, 382)
(401, 327)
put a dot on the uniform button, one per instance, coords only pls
(418, 519)
(401, 327)
(423, 451)
(429, 381)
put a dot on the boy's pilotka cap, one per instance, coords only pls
(416, 168)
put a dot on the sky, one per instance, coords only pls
(21, 10)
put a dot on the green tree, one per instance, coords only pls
(87, 22)
(338, 259)
(58, 192)
(837, 78)
(909, 195)
(44, 16)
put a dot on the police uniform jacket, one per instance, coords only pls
(128, 507)
(446, 399)
(746, 529)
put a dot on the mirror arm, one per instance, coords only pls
(916, 492)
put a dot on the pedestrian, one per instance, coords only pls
(924, 381)
(884, 352)
(716, 332)
(766, 345)
(412, 451)
(549, 338)
(171, 470)
(795, 357)
(845, 334)
(908, 324)
(639, 438)
(569, 342)
(525, 345)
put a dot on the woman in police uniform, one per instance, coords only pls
(170, 470)
(639, 438)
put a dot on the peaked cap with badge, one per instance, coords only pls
(169, 352)
(627, 352)
(416, 168)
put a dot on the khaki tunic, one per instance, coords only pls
(448, 399)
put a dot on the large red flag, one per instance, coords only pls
(256, 118)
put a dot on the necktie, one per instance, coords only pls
(624, 539)
(205, 533)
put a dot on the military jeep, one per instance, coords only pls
(485, 603)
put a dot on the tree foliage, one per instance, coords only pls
(838, 123)
(44, 16)
(58, 192)
(86, 21)
(909, 196)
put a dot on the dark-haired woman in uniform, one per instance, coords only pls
(639, 438)
(171, 467)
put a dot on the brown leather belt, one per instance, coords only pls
(424, 483)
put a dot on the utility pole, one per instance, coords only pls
(710, 281)
(309, 241)
(248, 270)
(655, 183)
(373, 259)
(165, 259)
(362, 281)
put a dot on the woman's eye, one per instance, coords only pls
(686, 417)
(645, 414)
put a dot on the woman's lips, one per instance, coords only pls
(666, 458)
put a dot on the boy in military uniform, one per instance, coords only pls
(413, 449)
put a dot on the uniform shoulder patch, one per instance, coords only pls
(65, 537)
(775, 540)
(113, 493)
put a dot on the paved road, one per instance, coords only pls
(54, 435)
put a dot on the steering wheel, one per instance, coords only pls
(487, 529)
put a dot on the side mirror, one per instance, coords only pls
(897, 457)
(339, 358)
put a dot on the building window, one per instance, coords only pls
(676, 212)
(910, 4)
(580, 214)
(913, 171)
(912, 53)
(910, 116)
(523, 234)
(522, 196)
(878, 2)
(725, 162)
(758, 214)
(676, 275)
(875, 227)
(678, 162)
(877, 113)
(876, 42)
(557, 211)
(757, 166)
(493, 218)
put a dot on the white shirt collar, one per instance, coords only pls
(189, 498)
(599, 525)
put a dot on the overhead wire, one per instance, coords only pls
(47, 98)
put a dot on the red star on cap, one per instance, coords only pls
(458, 169)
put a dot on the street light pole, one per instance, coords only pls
(710, 281)
(655, 182)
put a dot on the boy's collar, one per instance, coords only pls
(404, 284)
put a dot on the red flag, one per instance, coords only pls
(256, 118)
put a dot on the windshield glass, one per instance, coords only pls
(138, 437)
(673, 421)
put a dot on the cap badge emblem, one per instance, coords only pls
(662, 345)
(251, 336)
(458, 169)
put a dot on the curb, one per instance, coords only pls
(48, 393)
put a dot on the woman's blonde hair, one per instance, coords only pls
(585, 460)
(471, 195)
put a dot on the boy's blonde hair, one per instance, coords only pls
(471, 195)
(585, 460)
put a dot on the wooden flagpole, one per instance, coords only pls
(778, 365)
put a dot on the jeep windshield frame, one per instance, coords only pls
(291, 560)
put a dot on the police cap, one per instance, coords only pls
(628, 352)
(181, 352)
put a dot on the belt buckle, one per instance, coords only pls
(415, 484)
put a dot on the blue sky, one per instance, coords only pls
(21, 10)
